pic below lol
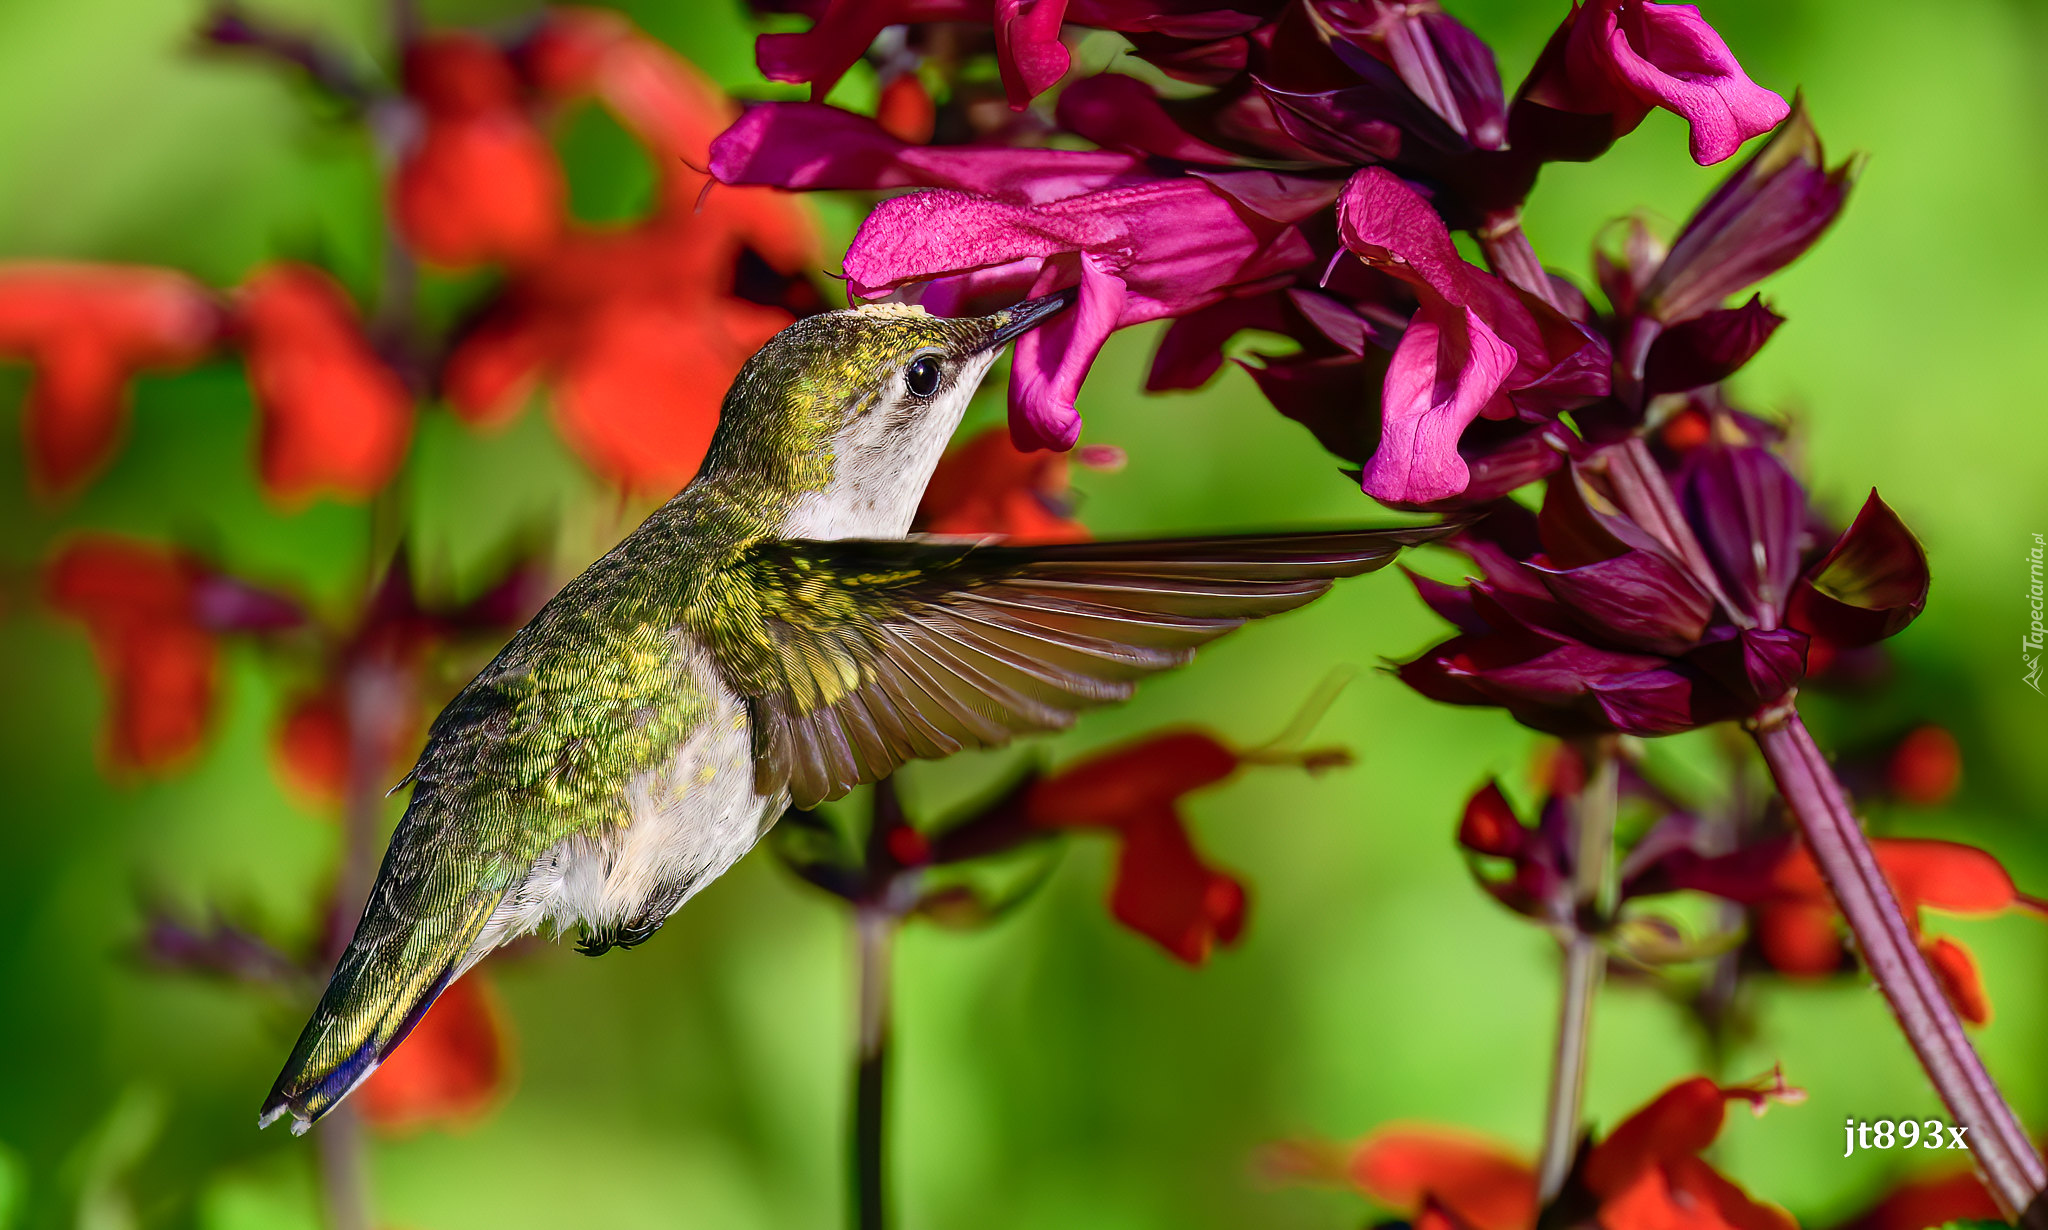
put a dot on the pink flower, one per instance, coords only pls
(1476, 346)
(1138, 252)
(1623, 57)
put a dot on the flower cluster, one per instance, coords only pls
(1392, 127)
(1647, 1170)
(1162, 888)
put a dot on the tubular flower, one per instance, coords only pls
(1474, 344)
(988, 486)
(452, 1068)
(1646, 1174)
(87, 330)
(1137, 253)
(638, 331)
(1795, 914)
(1163, 890)
(155, 616)
(1618, 59)
(480, 182)
(334, 417)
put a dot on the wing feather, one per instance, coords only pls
(869, 654)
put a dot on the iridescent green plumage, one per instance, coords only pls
(757, 639)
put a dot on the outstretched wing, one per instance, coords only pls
(857, 656)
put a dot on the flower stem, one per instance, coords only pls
(344, 1185)
(1510, 255)
(2012, 1170)
(1584, 964)
(874, 935)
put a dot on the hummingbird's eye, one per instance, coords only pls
(922, 377)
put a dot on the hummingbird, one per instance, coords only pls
(769, 637)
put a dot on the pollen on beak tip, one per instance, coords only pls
(1021, 318)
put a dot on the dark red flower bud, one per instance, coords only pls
(1709, 348)
(1758, 221)
(334, 417)
(1750, 515)
(1449, 69)
(1489, 825)
(1870, 584)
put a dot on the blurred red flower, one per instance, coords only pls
(382, 664)
(1163, 890)
(988, 486)
(452, 1067)
(1929, 1200)
(1795, 914)
(639, 330)
(334, 417)
(88, 329)
(480, 182)
(139, 606)
(1926, 767)
(1646, 1175)
(904, 109)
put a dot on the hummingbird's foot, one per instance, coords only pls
(595, 942)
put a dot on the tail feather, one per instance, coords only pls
(379, 991)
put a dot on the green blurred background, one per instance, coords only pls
(1054, 1070)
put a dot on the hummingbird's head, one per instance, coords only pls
(846, 413)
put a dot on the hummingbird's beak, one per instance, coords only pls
(1020, 318)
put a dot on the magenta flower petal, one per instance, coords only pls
(1444, 372)
(1123, 113)
(1053, 359)
(1028, 47)
(807, 146)
(842, 34)
(1668, 56)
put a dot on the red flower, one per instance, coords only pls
(988, 486)
(452, 1067)
(139, 605)
(1927, 1201)
(640, 330)
(1646, 1175)
(904, 110)
(334, 416)
(88, 329)
(1795, 915)
(382, 663)
(1926, 766)
(1163, 890)
(311, 745)
(481, 183)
